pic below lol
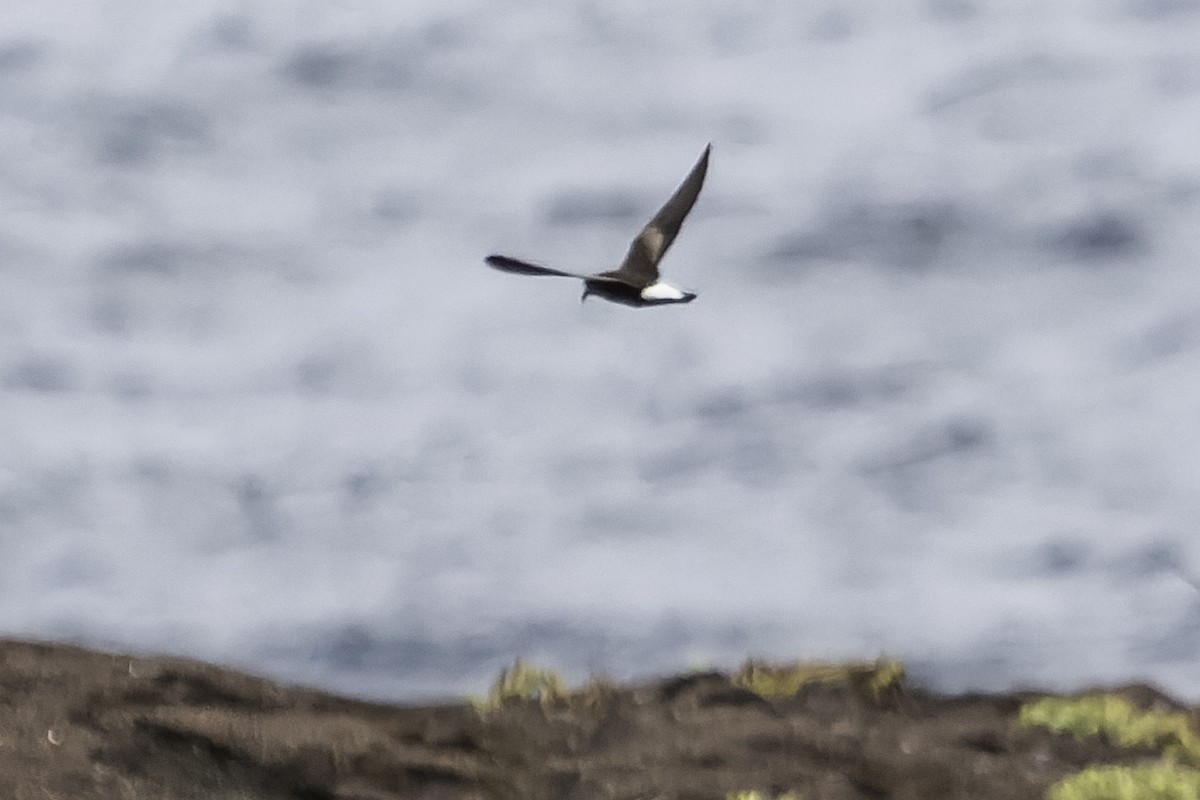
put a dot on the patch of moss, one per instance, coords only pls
(767, 680)
(1119, 721)
(1160, 780)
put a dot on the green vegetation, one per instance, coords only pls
(1160, 780)
(766, 680)
(523, 682)
(1119, 721)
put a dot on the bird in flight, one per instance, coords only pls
(636, 282)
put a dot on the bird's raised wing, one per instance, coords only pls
(640, 266)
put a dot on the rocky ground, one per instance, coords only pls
(79, 724)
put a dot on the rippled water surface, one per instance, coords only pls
(261, 401)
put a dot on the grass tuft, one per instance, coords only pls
(1160, 780)
(523, 682)
(1118, 720)
(876, 678)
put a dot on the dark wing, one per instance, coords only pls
(518, 267)
(640, 266)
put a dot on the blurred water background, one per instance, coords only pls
(261, 402)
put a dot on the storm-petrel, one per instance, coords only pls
(636, 281)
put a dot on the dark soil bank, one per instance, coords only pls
(78, 724)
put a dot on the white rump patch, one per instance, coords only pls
(661, 291)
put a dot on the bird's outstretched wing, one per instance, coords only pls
(518, 267)
(640, 266)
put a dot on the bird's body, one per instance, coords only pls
(636, 282)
